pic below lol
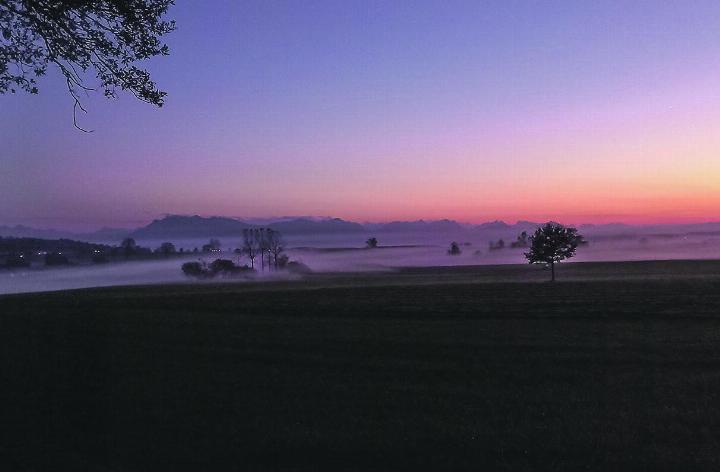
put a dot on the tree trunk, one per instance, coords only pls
(552, 271)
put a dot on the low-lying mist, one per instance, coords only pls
(347, 254)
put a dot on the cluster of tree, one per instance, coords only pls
(129, 248)
(265, 243)
(212, 246)
(26, 252)
(49, 259)
(371, 243)
(454, 249)
(522, 241)
(166, 249)
(219, 267)
(495, 246)
(29, 246)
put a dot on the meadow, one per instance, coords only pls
(614, 367)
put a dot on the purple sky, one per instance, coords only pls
(582, 111)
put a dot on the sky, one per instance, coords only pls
(575, 111)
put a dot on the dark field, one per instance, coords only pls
(616, 366)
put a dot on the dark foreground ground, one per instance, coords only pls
(423, 369)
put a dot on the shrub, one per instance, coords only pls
(296, 267)
(194, 269)
(223, 267)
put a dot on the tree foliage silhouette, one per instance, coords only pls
(454, 249)
(275, 245)
(167, 248)
(552, 243)
(250, 246)
(107, 36)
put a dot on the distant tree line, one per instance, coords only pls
(549, 245)
(218, 267)
(24, 252)
(29, 252)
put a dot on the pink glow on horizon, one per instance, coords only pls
(601, 118)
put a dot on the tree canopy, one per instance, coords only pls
(552, 243)
(107, 36)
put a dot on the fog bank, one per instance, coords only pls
(347, 254)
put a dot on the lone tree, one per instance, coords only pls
(552, 243)
(259, 234)
(371, 243)
(108, 36)
(454, 249)
(250, 246)
(275, 246)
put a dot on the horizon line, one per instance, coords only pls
(136, 224)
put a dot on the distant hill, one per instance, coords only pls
(439, 226)
(107, 234)
(21, 231)
(493, 225)
(177, 226)
(12, 245)
(308, 226)
(523, 225)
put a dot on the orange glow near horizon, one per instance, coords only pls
(604, 117)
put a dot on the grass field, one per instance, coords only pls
(615, 367)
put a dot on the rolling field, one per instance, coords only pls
(614, 367)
